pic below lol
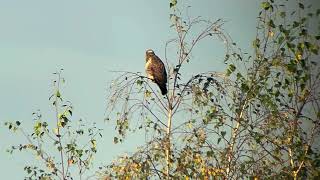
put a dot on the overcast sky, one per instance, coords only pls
(88, 39)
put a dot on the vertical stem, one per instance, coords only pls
(168, 148)
(294, 173)
(233, 138)
(58, 126)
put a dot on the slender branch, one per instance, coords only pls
(58, 126)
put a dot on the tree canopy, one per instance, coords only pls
(257, 119)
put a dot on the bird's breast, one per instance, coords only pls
(148, 63)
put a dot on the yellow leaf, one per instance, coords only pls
(55, 131)
(190, 125)
(60, 124)
(299, 57)
(94, 143)
(70, 161)
(271, 33)
(38, 157)
(203, 170)
(147, 94)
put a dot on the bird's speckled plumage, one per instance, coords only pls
(156, 71)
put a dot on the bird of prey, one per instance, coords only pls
(156, 71)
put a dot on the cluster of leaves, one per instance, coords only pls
(260, 119)
(279, 95)
(168, 136)
(74, 143)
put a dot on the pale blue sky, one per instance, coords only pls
(88, 39)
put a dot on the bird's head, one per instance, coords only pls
(149, 53)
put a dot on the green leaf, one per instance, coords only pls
(256, 43)
(283, 14)
(139, 82)
(79, 152)
(239, 76)
(58, 94)
(210, 153)
(223, 133)
(173, 3)
(295, 24)
(280, 39)
(271, 24)
(244, 87)
(115, 140)
(301, 6)
(226, 57)
(231, 69)
(265, 5)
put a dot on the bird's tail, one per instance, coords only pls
(163, 88)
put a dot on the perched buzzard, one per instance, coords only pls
(156, 71)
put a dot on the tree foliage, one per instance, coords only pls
(64, 147)
(258, 119)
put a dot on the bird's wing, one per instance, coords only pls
(160, 71)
